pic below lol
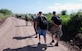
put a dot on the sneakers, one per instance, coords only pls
(45, 47)
(56, 44)
(52, 42)
(39, 43)
(35, 36)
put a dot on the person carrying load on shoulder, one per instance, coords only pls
(41, 26)
(56, 28)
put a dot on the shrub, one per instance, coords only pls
(73, 27)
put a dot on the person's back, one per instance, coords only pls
(39, 27)
(57, 20)
(43, 23)
(56, 28)
(26, 18)
(34, 17)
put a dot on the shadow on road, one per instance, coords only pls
(21, 38)
(40, 47)
(21, 26)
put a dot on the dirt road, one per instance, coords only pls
(15, 36)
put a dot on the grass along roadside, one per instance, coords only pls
(2, 18)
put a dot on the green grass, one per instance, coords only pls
(49, 16)
(1, 16)
(65, 18)
(81, 28)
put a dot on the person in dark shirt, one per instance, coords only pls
(34, 20)
(40, 29)
(56, 28)
(26, 19)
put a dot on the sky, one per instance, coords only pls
(46, 6)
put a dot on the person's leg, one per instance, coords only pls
(58, 39)
(45, 43)
(52, 38)
(52, 35)
(58, 34)
(39, 38)
(36, 35)
(35, 30)
(44, 35)
(45, 39)
(39, 32)
(26, 22)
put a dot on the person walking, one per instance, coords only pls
(26, 19)
(56, 28)
(34, 20)
(41, 26)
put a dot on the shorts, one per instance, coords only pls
(55, 30)
(41, 32)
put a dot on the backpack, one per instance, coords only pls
(58, 20)
(43, 23)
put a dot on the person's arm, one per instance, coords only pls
(36, 24)
(52, 19)
(47, 22)
(59, 26)
(54, 23)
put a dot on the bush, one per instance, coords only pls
(5, 13)
(1, 15)
(73, 27)
(63, 12)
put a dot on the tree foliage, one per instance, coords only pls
(63, 12)
(5, 11)
(73, 26)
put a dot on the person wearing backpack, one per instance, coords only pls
(34, 20)
(41, 26)
(56, 28)
(26, 18)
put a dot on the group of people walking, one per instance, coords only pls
(40, 23)
(41, 26)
